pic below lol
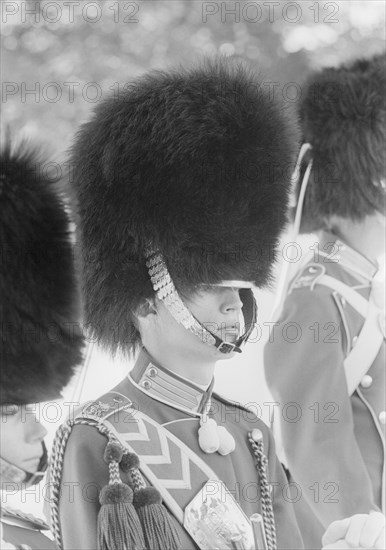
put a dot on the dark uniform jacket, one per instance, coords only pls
(333, 441)
(164, 399)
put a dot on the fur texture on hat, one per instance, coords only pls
(343, 116)
(197, 162)
(39, 302)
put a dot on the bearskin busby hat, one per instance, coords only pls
(343, 117)
(194, 163)
(39, 302)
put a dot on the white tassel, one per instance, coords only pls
(212, 438)
(208, 438)
(227, 442)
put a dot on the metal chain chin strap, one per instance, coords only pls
(166, 291)
(56, 467)
(266, 501)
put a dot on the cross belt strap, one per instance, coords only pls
(370, 338)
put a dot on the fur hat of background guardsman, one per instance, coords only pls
(343, 117)
(195, 162)
(39, 302)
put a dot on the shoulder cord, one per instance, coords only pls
(266, 501)
(56, 466)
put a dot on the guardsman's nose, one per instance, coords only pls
(232, 301)
(34, 430)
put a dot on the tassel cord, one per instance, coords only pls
(137, 479)
(56, 468)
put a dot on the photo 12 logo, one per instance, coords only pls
(68, 12)
(269, 12)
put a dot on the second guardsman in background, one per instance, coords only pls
(334, 370)
(40, 342)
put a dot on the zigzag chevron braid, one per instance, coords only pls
(137, 479)
(114, 477)
(266, 501)
(56, 467)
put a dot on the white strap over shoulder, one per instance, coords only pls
(370, 338)
(356, 300)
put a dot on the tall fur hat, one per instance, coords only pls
(195, 162)
(39, 302)
(343, 116)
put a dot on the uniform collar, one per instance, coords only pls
(347, 257)
(167, 387)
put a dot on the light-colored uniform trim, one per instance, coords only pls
(339, 304)
(356, 300)
(145, 460)
(370, 338)
(162, 400)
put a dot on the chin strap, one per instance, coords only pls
(166, 291)
(9, 473)
(282, 286)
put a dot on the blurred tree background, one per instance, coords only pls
(60, 58)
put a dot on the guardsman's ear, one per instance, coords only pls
(330, 222)
(146, 308)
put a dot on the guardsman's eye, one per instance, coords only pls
(9, 410)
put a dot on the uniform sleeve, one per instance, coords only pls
(84, 474)
(304, 370)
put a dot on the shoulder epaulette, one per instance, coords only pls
(104, 407)
(308, 276)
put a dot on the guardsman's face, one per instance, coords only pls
(219, 309)
(21, 436)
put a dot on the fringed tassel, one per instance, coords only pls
(159, 531)
(118, 523)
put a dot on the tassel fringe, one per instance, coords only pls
(132, 520)
(119, 526)
(160, 533)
